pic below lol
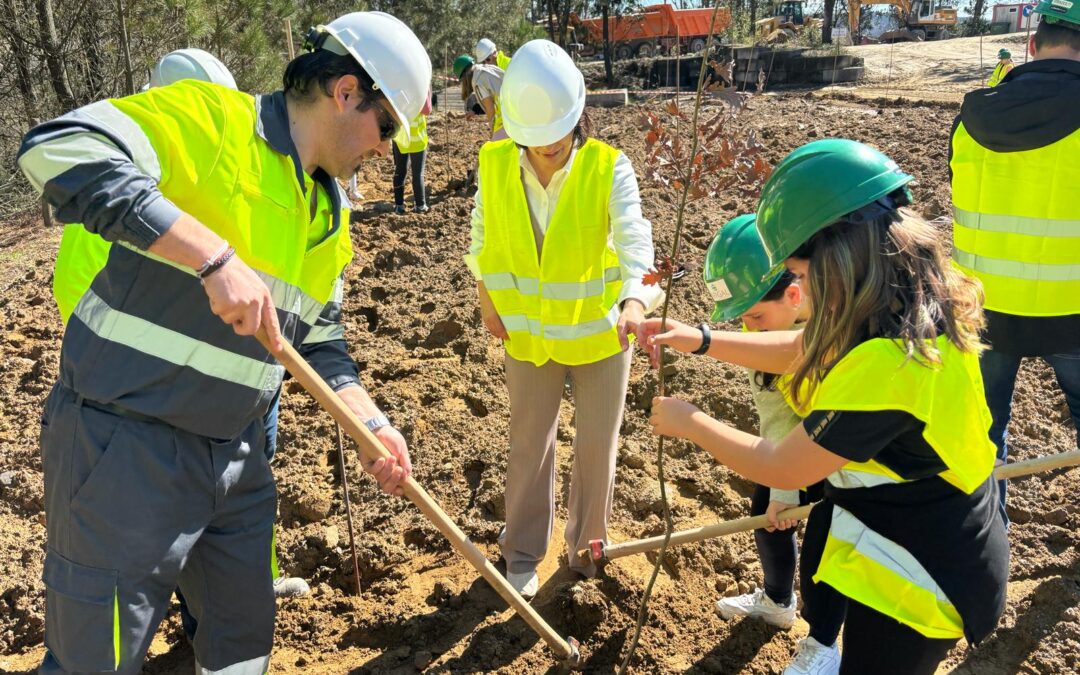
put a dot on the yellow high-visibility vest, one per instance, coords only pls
(560, 303)
(502, 60)
(1022, 243)
(81, 256)
(857, 561)
(1000, 71)
(418, 137)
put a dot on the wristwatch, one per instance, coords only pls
(377, 422)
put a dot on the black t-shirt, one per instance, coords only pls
(958, 538)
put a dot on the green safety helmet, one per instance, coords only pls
(1060, 11)
(1004, 54)
(737, 269)
(821, 183)
(462, 63)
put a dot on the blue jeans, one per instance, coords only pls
(999, 379)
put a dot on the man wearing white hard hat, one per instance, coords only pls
(229, 222)
(487, 53)
(559, 249)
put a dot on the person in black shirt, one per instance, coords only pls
(887, 368)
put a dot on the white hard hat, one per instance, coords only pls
(190, 64)
(483, 49)
(542, 95)
(389, 52)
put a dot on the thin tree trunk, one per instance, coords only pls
(609, 78)
(551, 19)
(53, 59)
(125, 48)
(753, 14)
(827, 21)
(95, 54)
(23, 78)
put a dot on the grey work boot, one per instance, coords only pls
(288, 587)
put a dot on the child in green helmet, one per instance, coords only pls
(887, 368)
(740, 282)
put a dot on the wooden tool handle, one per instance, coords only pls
(372, 449)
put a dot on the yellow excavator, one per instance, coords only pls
(787, 21)
(924, 20)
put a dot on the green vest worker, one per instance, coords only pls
(1015, 163)
(887, 367)
(1004, 67)
(226, 220)
(559, 248)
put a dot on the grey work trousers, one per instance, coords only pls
(134, 508)
(599, 393)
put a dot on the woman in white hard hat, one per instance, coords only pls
(487, 53)
(484, 82)
(559, 248)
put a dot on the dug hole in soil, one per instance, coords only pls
(413, 324)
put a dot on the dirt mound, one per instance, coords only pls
(410, 313)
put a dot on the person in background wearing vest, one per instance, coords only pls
(1014, 157)
(485, 52)
(1003, 67)
(559, 249)
(227, 222)
(82, 254)
(887, 369)
(741, 284)
(409, 149)
(485, 82)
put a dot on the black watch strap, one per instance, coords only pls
(706, 339)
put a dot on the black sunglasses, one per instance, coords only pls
(388, 125)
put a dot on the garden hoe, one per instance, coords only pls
(371, 450)
(598, 551)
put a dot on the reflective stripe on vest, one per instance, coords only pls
(948, 399)
(418, 137)
(863, 565)
(560, 304)
(1022, 244)
(149, 338)
(247, 193)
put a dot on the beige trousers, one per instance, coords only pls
(599, 392)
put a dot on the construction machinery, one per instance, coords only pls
(922, 19)
(655, 30)
(786, 23)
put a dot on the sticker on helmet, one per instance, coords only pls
(718, 290)
(1064, 4)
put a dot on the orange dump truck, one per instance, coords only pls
(657, 29)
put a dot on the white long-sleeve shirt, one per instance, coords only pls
(630, 234)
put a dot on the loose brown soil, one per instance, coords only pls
(411, 317)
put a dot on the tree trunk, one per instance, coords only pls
(550, 6)
(827, 21)
(125, 48)
(23, 79)
(564, 19)
(609, 78)
(50, 44)
(95, 53)
(753, 14)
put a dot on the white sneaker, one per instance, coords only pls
(525, 583)
(287, 587)
(758, 605)
(814, 658)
